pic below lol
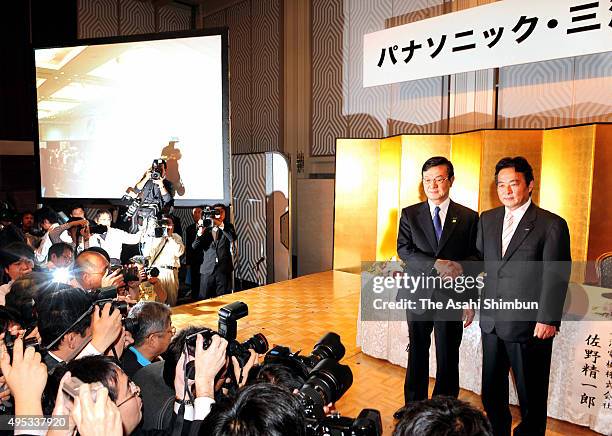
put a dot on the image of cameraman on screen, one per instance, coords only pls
(214, 238)
(151, 194)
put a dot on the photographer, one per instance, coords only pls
(75, 232)
(165, 252)
(150, 195)
(214, 240)
(151, 337)
(92, 271)
(112, 239)
(61, 255)
(58, 309)
(49, 221)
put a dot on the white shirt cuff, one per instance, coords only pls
(198, 411)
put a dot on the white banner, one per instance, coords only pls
(504, 33)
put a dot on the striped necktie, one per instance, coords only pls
(507, 232)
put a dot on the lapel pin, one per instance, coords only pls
(454, 220)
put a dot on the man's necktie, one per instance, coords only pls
(215, 233)
(437, 223)
(507, 233)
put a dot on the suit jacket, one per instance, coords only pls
(216, 255)
(418, 248)
(536, 267)
(192, 257)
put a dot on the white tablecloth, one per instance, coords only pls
(388, 340)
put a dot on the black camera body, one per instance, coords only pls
(208, 213)
(368, 423)
(9, 342)
(131, 324)
(157, 168)
(228, 326)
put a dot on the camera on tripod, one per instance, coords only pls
(327, 381)
(157, 168)
(228, 326)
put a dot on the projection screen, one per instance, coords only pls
(107, 108)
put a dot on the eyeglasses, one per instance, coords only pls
(438, 180)
(171, 330)
(134, 392)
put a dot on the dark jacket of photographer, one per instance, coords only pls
(152, 194)
(216, 255)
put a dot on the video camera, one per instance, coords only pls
(228, 317)
(326, 382)
(157, 168)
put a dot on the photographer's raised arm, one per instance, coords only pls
(145, 177)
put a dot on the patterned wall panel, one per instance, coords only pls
(536, 95)
(592, 89)
(98, 18)
(216, 20)
(174, 18)
(418, 106)
(369, 108)
(249, 192)
(239, 23)
(328, 122)
(409, 11)
(266, 75)
(136, 17)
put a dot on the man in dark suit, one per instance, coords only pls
(433, 237)
(217, 265)
(193, 258)
(526, 252)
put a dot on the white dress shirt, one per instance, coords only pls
(517, 215)
(113, 241)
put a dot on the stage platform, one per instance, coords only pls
(296, 313)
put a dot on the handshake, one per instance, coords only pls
(448, 268)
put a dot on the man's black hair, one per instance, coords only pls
(153, 317)
(46, 213)
(59, 248)
(24, 291)
(442, 416)
(15, 251)
(57, 309)
(520, 165)
(76, 206)
(281, 375)
(436, 161)
(258, 410)
(88, 369)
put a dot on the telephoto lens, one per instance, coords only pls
(326, 383)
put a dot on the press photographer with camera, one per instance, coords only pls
(92, 271)
(214, 239)
(75, 232)
(165, 252)
(149, 197)
(68, 328)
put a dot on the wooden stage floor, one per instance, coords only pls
(296, 313)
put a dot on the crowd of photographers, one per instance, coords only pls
(79, 348)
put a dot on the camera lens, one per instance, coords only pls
(328, 347)
(258, 343)
(327, 382)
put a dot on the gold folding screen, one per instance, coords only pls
(375, 179)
